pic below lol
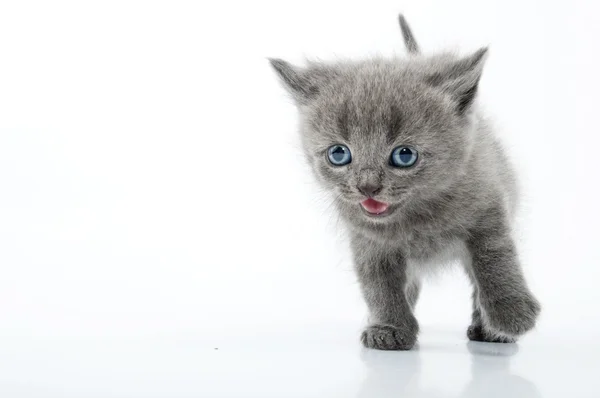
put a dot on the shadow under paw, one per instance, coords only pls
(385, 337)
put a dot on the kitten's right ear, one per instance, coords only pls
(302, 83)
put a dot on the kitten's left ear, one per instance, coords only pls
(303, 83)
(461, 79)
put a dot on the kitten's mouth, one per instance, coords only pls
(374, 207)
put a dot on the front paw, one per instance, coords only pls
(386, 337)
(477, 332)
(512, 315)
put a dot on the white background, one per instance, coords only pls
(160, 234)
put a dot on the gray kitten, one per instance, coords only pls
(420, 180)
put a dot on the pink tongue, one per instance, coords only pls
(374, 207)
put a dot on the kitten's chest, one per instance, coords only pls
(418, 243)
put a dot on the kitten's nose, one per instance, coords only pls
(369, 189)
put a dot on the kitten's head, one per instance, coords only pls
(381, 134)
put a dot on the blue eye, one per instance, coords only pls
(403, 156)
(339, 155)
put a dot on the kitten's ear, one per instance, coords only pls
(461, 78)
(303, 83)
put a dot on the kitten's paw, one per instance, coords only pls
(478, 333)
(386, 337)
(512, 316)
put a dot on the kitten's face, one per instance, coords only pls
(373, 110)
(384, 135)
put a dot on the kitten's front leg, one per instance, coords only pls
(476, 331)
(507, 307)
(382, 277)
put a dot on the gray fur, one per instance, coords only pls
(457, 201)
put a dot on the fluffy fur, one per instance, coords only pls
(456, 201)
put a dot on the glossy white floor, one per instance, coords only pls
(304, 363)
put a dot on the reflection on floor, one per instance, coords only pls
(393, 375)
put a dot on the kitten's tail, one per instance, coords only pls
(409, 38)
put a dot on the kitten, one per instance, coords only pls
(419, 179)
